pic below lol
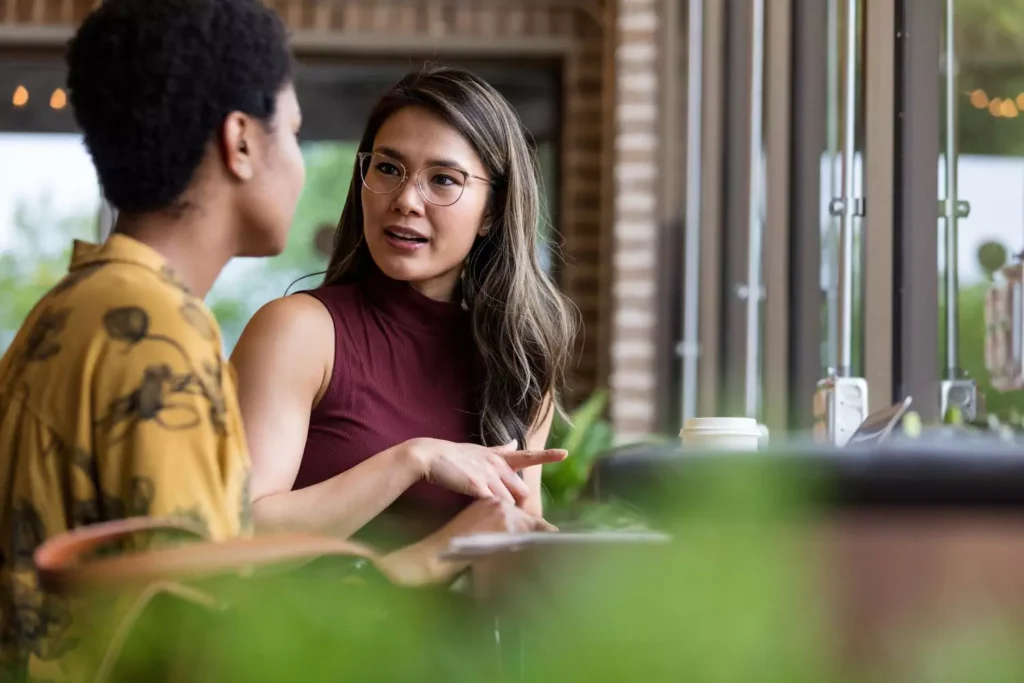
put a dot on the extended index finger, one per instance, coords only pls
(523, 459)
(541, 524)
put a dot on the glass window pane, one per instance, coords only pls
(832, 188)
(48, 197)
(989, 127)
(548, 158)
(248, 284)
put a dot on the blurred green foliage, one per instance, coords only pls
(1003, 404)
(36, 258)
(585, 435)
(992, 257)
(234, 300)
(989, 55)
(739, 596)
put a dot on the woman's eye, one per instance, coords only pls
(444, 180)
(388, 169)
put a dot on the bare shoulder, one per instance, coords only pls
(293, 334)
(292, 317)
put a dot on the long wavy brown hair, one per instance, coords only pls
(524, 328)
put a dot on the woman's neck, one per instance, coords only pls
(446, 287)
(197, 251)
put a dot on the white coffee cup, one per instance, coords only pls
(723, 433)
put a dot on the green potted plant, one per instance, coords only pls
(585, 434)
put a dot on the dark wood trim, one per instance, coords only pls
(341, 43)
(879, 120)
(337, 94)
(777, 132)
(713, 185)
(602, 336)
(672, 47)
(916, 314)
(30, 36)
(809, 112)
(736, 226)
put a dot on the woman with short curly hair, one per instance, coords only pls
(114, 396)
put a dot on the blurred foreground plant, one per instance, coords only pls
(1008, 428)
(739, 596)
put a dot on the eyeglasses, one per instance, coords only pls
(439, 185)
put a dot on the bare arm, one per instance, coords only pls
(420, 563)
(284, 360)
(536, 440)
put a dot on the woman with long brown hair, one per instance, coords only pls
(385, 401)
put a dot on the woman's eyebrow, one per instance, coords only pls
(449, 163)
(395, 154)
(391, 152)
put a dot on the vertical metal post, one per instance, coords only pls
(752, 383)
(841, 400)
(834, 185)
(952, 359)
(956, 390)
(849, 204)
(691, 272)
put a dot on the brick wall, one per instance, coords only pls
(635, 232)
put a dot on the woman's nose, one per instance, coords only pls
(407, 198)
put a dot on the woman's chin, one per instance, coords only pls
(398, 268)
(417, 267)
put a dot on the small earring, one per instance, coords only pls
(484, 231)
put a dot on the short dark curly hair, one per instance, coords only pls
(151, 82)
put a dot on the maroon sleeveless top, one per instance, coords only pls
(404, 367)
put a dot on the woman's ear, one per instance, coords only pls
(487, 223)
(238, 138)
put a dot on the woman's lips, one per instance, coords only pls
(405, 239)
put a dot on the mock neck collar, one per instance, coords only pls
(409, 307)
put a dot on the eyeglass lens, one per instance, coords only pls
(438, 184)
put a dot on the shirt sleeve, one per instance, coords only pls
(167, 433)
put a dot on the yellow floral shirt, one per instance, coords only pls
(115, 400)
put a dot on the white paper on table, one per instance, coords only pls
(486, 544)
